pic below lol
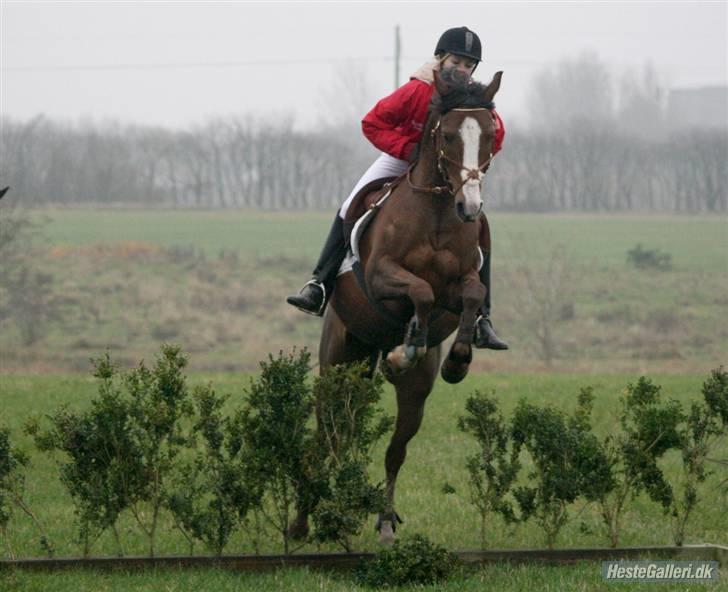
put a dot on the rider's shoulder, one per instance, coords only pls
(412, 90)
(425, 74)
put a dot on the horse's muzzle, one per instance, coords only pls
(464, 216)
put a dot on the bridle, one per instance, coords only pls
(472, 174)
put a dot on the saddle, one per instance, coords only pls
(368, 199)
(361, 212)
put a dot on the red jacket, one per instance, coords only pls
(396, 122)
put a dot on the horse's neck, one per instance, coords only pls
(426, 173)
(438, 206)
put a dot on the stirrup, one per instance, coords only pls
(321, 308)
(499, 345)
(477, 325)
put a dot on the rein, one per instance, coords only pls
(472, 174)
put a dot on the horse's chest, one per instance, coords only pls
(442, 264)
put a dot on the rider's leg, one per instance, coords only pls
(384, 166)
(485, 336)
(315, 294)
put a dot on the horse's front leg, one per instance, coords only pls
(457, 363)
(391, 281)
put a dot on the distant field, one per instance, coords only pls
(216, 281)
(696, 243)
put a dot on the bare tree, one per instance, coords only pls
(574, 90)
(542, 295)
(27, 297)
(344, 103)
(642, 103)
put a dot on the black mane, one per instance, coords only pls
(462, 92)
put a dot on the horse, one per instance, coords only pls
(419, 259)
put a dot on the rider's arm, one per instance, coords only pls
(383, 125)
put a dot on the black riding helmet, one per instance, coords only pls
(460, 41)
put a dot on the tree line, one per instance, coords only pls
(581, 165)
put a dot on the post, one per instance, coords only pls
(397, 55)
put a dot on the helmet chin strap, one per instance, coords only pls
(447, 55)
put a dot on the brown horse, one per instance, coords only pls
(420, 262)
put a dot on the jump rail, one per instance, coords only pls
(346, 561)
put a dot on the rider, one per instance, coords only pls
(395, 126)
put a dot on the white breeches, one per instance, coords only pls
(384, 166)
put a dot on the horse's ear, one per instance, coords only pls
(493, 87)
(440, 86)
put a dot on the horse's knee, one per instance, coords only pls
(422, 295)
(473, 295)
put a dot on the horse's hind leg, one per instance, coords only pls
(457, 363)
(412, 389)
(337, 346)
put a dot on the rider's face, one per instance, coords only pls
(465, 65)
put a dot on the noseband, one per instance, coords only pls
(472, 174)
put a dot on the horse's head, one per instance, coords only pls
(463, 137)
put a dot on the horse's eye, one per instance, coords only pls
(449, 137)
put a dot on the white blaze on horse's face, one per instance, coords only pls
(470, 133)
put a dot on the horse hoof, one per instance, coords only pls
(386, 533)
(398, 361)
(453, 372)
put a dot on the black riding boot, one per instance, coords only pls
(315, 294)
(485, 337)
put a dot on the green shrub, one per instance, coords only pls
(642, 258)
(210, 495)
(101, 470)
(13, 464)
(568, 462)
(120, 453)
(276, 439)
(349, 425)
(494, 468)
(648, 429)
(705, 426)
(415, 561)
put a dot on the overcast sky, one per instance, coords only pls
(178, 63)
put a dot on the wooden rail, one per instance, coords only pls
(346, 561)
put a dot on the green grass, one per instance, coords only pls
(435, 456)
(581, 577)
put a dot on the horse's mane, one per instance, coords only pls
(462, 92)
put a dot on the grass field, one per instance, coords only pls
(583, 577)
(216, 282)
(435, 457)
